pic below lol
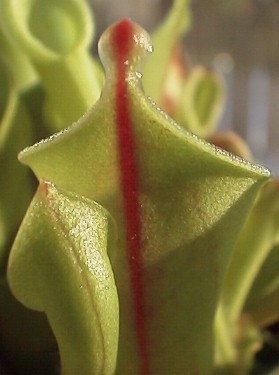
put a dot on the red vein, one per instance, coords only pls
(122, 44)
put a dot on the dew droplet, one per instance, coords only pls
(150, 49)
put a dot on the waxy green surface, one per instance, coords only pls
(15, 186)
(250, 290)
(201, 102)
(165, 40)
(55, 36)
(193, 198)
(262, 301)
(59, 265)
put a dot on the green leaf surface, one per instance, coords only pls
(56, 36)
(262, 303)
(253, 247)
(192, 199)
(59, 265)
(174, 83)
(17, 65)
(201, 102)
(15, 186)
(165, 40)
(254, 244)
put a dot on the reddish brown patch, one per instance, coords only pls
(122, 44)
(218, 140)
(44, 188)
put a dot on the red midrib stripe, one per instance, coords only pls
(122, 44)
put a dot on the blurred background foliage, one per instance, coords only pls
(240, 39)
